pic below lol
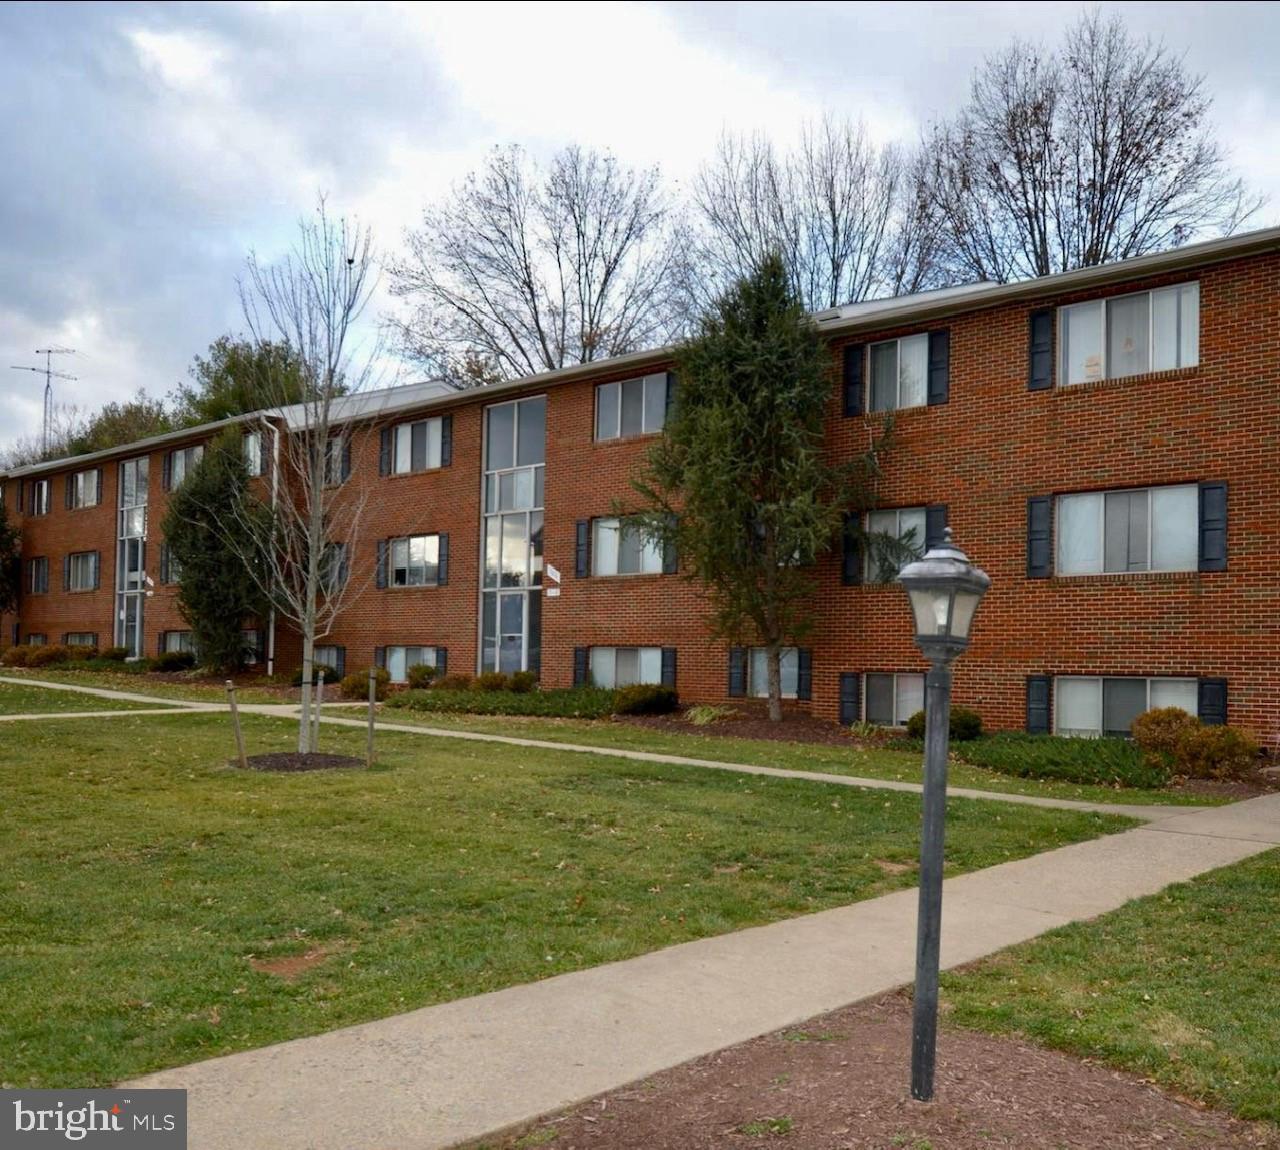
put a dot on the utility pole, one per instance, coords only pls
(49, 376)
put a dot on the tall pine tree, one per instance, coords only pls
(216, 595)
(740, 481)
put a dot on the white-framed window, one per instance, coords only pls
(891, 699)
(625, 666)
(417, 446)
(80, 639)
(758, 672)
(84, 488)
(1145, 529)
(251, 447)
(38, 575)
(1129, 334)
(182, 462)
(620, 548)
(900, 373)
(333, 568)
(332, 657)
(415, 561)
(82, 571)
(39, 501)
(400, 659)
(251, 640)
(37, 639)
(1091, 706)
(180, 642)
(632, 407)
(907, 525)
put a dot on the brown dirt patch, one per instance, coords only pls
(292, 761)
(751, 722)
(842, 1083)
(288, 967)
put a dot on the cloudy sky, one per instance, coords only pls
(147, 148)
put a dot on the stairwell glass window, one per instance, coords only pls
(1089, 706)
(182, 462)
(633, 407)
(892, 699)
(1130, 334)
(251, 446)
(620, 548)
(82, 571)
(900, 373)
(758, 672)
(904, 524)
(39, 499)
(400, 659)
(415, 561)
(84, 489)
(625, 666)
(1149, 529)
(417, 446)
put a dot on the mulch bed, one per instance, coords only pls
(292, 761)
(751, 723)
(841, 1082)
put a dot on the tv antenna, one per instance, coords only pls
(49, 376)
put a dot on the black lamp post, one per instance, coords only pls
(944, 589)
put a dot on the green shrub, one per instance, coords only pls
(1109, 762)
(492, 681)
(704, 714)
(48, 655)
(356, 685)
(82, 654)
(1158, 732)
(170, 662)
(645, 699)
(114, 654)
(17, 656)
(1205, 752)
(133, 667)
(420, 675)
(453, 683)
(573, 703)
(965, 725)
(317, 669)
(522, 682)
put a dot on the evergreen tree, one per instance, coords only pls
(740, 481)
(216, 595)
(236, 377)
(10, 562)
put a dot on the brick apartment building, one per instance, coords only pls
(1104, 443)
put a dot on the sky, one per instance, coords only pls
(148, 148)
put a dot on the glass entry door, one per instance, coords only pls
(131, 556)
(511, 566)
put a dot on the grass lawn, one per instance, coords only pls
(851, 760)
(162, 687)
(24, 700)
(1179, 987)
(143, 881)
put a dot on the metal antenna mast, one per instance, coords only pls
(49, 376)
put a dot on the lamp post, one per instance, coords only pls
(944, 590)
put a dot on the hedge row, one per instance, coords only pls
(571, 703)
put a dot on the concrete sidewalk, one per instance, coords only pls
(458, 1071)
(107, 693)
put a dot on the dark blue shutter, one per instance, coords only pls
(346, 460)
(1213, 527)
(1039, 692)
(381, 575)
(262, 454)
(66, 572)
(580, 666)
(340, 671)
(804, 673)
(69, 490)
(737, 672)
(670, 554)
(164, 563)
(1211, 704)
(853, 357)
(160, 642)
(669, 667)
(167, 470)
(1040, 537)
(446, 440)
(851, 559)
(850, 697)
(97, 573)
(442, 662)
(935, 525)
(384, 451)
(939, 367)
(380, 657)
(582, 549)
(442, 577)
(1040, 350)
(671, 397)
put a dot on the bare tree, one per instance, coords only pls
(841, 212)
(310, 302)
(1099, 151)
(522, 270)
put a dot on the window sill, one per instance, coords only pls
(1172, 373)
(412, 474)
(1117, 578)
(618, 440)
(629, 575)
